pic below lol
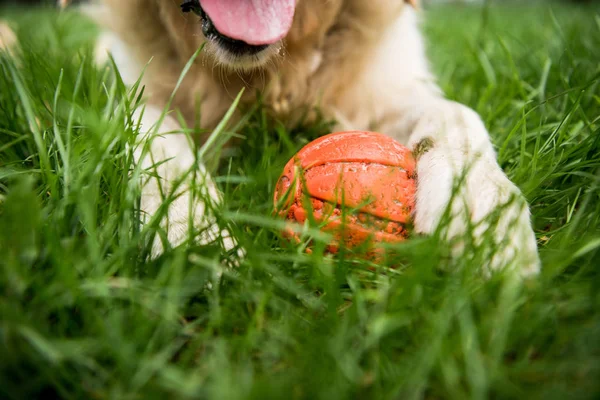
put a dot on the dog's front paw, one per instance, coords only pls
(177, 193)
(187, 219)
(477, 200)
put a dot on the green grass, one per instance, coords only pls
(84, 313)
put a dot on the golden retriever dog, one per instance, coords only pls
(363, 63)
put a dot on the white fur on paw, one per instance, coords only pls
(453, 147)
(170, 159)
(485, 189)
(180, 221)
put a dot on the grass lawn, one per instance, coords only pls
(84, 312)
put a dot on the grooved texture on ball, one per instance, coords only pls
(364, 171)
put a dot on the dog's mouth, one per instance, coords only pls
(243, 27)
(233, 46)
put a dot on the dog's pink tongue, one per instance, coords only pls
(256, 22)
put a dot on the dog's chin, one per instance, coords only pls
(236, 54)
(242, 61)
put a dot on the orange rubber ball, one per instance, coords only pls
(358, 185)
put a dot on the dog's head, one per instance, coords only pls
(245, 34)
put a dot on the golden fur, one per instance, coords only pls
(338, 35)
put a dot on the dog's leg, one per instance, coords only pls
(168, 157)
(450, 141)
(173, 168)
